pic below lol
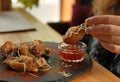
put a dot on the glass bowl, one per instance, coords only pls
(72, 53)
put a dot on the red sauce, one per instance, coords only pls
(72, 53)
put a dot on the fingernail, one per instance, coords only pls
(89, 29)
(89, 19)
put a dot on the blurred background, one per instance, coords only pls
(47, 10)
(59, 14)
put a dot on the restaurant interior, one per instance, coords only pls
(49, 20)
(62, 13)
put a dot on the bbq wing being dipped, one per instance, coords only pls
(74, 35)
(25, 56)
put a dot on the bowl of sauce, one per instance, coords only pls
(72, 53)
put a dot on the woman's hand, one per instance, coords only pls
(106, 28)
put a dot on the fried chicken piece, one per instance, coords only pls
(7, 47)
(22, 63)
(43, 64)
(38, 48)
(27, 56)
(74, 35)
(24, 50)
(40, 45)
(25, 63)
(34, 49)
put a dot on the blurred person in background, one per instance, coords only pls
(108, 58)
(80, 11)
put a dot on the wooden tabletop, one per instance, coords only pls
(97, 74)
(45, 33)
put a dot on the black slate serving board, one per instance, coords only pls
(53, 59)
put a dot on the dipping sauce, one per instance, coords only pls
(72, 53)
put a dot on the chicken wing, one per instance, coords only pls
(21, 63)
(28, 56)
(74, 35)
(7, 47)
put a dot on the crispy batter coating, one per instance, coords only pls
(7, 47)
(34, 49)
(38, 48)
(25, 63)
(73, 35)
(24, 50)
(28, 56)
(43, 64)
(22, 63)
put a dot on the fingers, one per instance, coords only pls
(104, 29)
(103, 19)
(108, 38)
(107, 30)
(111, 47)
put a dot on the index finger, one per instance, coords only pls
(103, 19)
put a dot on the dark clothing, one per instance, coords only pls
(109, 60)
(87, 3)
(79, 14)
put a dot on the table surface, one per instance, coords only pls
(45, 33)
